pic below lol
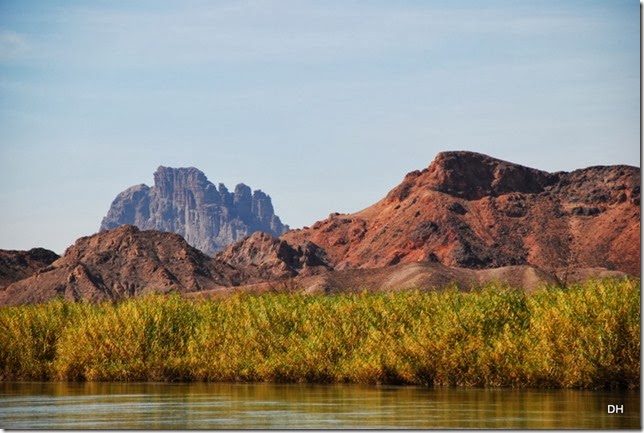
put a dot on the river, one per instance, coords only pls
(63, 405)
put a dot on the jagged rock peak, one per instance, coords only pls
(190, 174)
(185, 202)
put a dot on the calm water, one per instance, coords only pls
(226, 406)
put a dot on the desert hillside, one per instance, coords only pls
(474, 211)
(467, 219)
(122, 263)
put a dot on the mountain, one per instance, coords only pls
(185, 202)
(469, 210)
(467, 219)
(128, 262)
(121, 263)
(17, 265)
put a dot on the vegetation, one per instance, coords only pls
(584, 336)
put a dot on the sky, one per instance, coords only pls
(323, 105)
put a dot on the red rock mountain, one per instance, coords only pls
(17, 265)
(121, 263)
(473, 211)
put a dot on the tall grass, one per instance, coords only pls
(586, 336)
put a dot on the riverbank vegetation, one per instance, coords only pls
(585, 336)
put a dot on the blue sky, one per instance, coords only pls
(324, 105)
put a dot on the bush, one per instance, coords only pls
(585, 336)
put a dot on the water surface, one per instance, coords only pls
(302, 406)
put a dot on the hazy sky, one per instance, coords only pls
(324, 105)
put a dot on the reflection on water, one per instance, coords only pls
(213, 406)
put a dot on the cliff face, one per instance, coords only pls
(473, 211)
(185, 202)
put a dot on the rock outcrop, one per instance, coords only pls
(17, 265)
(473, 211)
(122, 263)
(185, 202)
(262, 257)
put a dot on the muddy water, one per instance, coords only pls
(234, 406)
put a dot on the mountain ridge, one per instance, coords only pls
(471, 210)
(466, 219)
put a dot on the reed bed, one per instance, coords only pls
(586, 336)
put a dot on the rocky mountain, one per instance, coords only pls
(127, 262)
(466, 219)
(17, 265)
(469, 210)
(185, 202)
(121, 263)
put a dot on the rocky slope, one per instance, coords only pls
(17, 265)
(469, 210)
(185, 202)
(262, 257)
(121, 263)
(405, 276)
